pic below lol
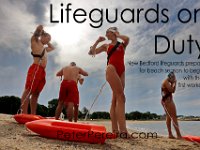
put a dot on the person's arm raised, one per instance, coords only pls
(124, 38)
(50, 47)
(38, 32)
(171, 88)
(94, 50)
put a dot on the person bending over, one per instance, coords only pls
(69, 94)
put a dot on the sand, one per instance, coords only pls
(14, 136)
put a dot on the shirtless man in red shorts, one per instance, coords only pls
(35, 80)
(69, 94)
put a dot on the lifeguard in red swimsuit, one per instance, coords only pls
(117, 58)
(115, 75)
(69, 94)
(168, 87)
(35, 79)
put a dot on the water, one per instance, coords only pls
(186, 127)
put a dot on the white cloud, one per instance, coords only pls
(16, 25)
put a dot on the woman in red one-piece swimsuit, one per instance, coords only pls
(168, 87)
(115, 75)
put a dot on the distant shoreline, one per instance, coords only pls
(198, 119)
(189, 119)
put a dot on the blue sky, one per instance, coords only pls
(19, 18)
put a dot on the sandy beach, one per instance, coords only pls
(14, 136)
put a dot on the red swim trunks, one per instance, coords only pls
(69, 92)
(117, 59)
(35, 79)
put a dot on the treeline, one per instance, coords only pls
(136, 115)
(11, 105)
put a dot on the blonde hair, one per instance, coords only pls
(112, 29)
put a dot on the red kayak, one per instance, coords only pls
(62, 130)
(24, 118)
(192, 138)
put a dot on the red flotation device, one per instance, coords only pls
(192, 138)
(24, 118)
(62, 130)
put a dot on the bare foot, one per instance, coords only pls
(171, 137)
(179, 137)
(124, 135)
(115, 134)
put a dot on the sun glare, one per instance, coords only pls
(66, 34)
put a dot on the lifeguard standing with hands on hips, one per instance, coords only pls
(115, 75)
(35, 80)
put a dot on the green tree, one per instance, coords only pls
(52, 104)
(9, 104)
(42, 110)
(135, 115)
(80, 115)
(146, 116)
(84, 112)
(100, 115)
